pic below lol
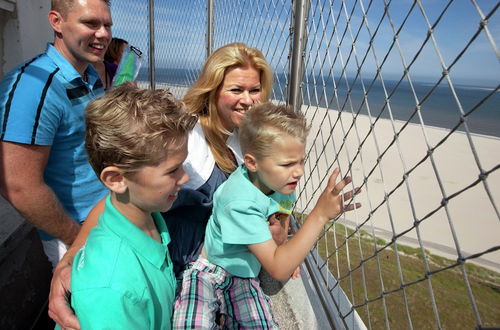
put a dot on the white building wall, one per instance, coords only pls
(24, 31)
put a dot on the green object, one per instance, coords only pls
(127, 69)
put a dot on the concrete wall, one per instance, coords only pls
(24, 31)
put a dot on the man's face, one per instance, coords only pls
(84, 33)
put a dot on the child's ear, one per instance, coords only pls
(250, 162)
(112, 177)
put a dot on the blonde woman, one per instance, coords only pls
(233, 79)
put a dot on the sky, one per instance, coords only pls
(332, 28)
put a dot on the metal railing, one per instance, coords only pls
(403, 96)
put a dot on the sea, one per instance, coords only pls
(465, 107)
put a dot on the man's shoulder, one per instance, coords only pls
(40, 65)
(33, 75)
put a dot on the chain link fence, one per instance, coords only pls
(403, 96)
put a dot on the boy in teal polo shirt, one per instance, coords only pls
(237, 238)
(123, 277)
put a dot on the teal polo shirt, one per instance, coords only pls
(239, 218)
(122, 278)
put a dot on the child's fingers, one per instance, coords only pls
(333, 179)
(339, 186)
(352, 206)
(272, 219)
(350, 194)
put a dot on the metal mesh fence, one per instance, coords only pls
(403, 97)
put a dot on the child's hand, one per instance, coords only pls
(296, 273)
(331, 203)
(278, 228)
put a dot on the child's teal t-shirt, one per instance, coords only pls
(239, 218)
(122, 278)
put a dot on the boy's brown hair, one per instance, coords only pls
(130, 128)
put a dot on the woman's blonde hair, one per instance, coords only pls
(130, 128)
(201, 98)
(266, 123)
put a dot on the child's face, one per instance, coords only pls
(281, 171)
(154, 188)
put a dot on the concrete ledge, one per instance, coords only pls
(25, 273)
(295, 304)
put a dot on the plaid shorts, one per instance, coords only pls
(208, 289)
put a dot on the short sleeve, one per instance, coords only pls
(33, 114)
(105, 308)
(244, 222)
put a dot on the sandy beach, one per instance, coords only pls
(468, 223)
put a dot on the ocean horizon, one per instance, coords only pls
(438, 105)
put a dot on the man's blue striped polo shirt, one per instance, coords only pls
(42, 102)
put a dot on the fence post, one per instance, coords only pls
(210, 26)
(299, 37)
(152, 79)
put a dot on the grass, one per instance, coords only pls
(399, 281)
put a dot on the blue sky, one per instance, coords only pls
(180, 27)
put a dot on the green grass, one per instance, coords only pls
(409, 282)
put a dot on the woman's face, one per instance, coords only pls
(239, 90)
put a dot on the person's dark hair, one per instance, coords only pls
(114, 51)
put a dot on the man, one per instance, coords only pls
(45, 172)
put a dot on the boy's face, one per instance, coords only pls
(281, 171)
(154, 188)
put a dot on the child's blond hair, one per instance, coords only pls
(265, 123)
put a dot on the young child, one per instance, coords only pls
(238, 241)
(122, 278)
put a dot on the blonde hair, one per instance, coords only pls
(130, 127)
(201, 98)
(64, 6)
(266, 123)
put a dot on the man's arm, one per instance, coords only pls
(22, 184)
(59, 309)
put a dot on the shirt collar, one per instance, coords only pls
(67, 69)
(277, 202)
(155, 252)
